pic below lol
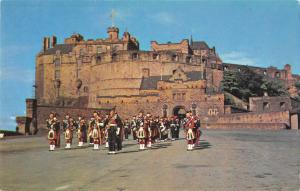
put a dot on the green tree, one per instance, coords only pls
(297, 85)
(246, 83)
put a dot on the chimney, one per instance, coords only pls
(46, 43)
(53, 41)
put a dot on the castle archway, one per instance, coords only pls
(179, 111)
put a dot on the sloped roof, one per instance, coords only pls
(198, 45)
(63, 48)
(150, 83)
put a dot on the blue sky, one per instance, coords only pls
(260, 33)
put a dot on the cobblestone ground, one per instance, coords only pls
(225, 160)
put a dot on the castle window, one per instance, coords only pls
(194, 106)
(98, 59)
(90, 49)
(146, 72)
(114, 57)
(99, 102)
(85, 89)
(107, 101)
(266, 106)
(174, 57)
(134, 56)
(122, 101)
(57, 62)
(57, 52)
(100, 49)
(165, 107)
(81, 52)
(277, 74)
(155, 56)
(282, 105)
(239, 69)
(86, 59)
(188, 59)
(57, 74)
(147, 101)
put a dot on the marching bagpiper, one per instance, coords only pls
(68, 137)
(190, 139)
(163, 130)
(119, 132)
(56, 128)
(173, 128)
(134, 127)
(92, 122)
(51, 138)
(190, 134)
(126, 128)
(148, 133)
(112, 136)
(66, 122)
(96, 136)
(80, 132)
(141, 136)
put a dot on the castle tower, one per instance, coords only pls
(288, 71)
(113, 33)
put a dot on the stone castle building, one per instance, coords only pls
(84, 75)
(114, 72)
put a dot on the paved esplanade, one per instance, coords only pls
(227, 160)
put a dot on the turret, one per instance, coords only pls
(288, 71)
(113, 33)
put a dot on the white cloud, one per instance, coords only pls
(164, 18)
(236, 57)
(298, 1)
(12, 117)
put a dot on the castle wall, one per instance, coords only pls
(270, 117)
(267, 104)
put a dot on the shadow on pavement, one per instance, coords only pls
(203, 145)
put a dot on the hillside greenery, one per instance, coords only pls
(247, 83)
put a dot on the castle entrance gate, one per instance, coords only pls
(179, 111)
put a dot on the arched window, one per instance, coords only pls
(155, 56)
(188, 59)
(165, 113)
(174, 57)
(98, 59)
(134, 56)
(114, 57)
(194, 106)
